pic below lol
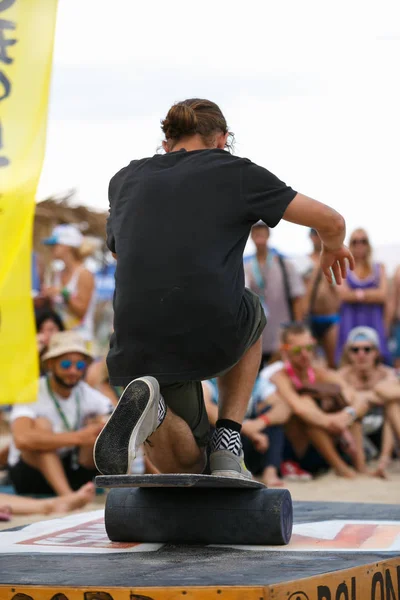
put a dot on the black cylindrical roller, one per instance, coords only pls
(199, 516)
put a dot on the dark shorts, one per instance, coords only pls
(186, 398)
(27, 480)
(320, 324)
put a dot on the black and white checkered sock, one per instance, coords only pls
(226, 439)
(162, 411)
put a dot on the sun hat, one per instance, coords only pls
(64, 342)
(67, 235)
(363, 334)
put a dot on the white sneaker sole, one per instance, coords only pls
(133, 420)
(232, 474)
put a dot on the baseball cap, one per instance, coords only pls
(67, 235)
(363, 334)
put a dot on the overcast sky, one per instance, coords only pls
(310, 88)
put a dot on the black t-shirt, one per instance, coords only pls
(179, 223)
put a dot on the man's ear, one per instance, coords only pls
(165, 146)
(221, 140)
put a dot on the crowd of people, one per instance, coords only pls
(327, 395)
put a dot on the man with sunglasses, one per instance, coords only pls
(379, 384)
(53, 438)
(324, 408)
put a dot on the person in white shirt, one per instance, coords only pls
(53, 438)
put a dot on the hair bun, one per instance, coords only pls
(181, 120)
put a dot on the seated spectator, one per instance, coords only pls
(11, 504)
(48, 323)
(363, 370)
(53, 438)
(324, 408)
(262, 433)
(280, 412)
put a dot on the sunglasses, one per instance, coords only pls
(67, 364)
(298, 349)
(361, 241)
(357, 349)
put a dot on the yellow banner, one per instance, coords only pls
(26, 46)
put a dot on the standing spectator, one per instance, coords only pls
(393, 315)
(279, 286)
(53, 438)
(322, 304)
(363, 295)
(72, 289)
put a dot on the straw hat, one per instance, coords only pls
(64, 342)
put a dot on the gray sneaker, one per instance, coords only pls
(224, 463)
(134, 419)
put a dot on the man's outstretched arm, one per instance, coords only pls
(331, 228)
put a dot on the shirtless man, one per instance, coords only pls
(379, 384)
(310, 424)
(322, 304)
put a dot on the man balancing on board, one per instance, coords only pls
(178, 226)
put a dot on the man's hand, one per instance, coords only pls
(50, 292)
(88, 435)
(338, 422)
(252, 426)
(252, 429)
(336, 260)
(374, 396)
(260, 442)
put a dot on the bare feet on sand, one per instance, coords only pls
(72, 501)
(346, 472)
(381, 469)
(270, 478)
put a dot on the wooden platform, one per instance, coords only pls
(355, 562)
